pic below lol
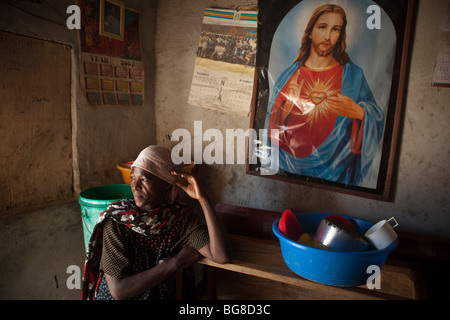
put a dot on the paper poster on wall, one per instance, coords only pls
(441, 75)
(225, 64)
(112, 71)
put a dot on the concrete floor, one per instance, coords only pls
(37, 248)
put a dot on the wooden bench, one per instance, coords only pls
(256, 252)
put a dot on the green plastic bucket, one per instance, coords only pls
(95, 200)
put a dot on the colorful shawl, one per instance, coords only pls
(152, 223)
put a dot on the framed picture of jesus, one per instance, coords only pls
(329, 95)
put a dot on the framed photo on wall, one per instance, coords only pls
(329, 97)
(112, 18)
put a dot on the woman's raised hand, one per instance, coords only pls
(189, 184)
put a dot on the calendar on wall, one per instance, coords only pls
(112, 69)
(224, 68)
(110, 81)
(441, 74)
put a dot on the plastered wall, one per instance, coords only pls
(420, 201)
(169, 35)
(39, 245)
(101, 137)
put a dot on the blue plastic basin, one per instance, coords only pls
(337, 268)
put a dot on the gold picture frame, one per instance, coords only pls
(112, 18)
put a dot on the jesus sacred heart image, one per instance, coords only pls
(317, 97)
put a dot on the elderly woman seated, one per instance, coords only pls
(139, 244)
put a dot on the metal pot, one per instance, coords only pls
(338, 236)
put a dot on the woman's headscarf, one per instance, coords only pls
(158, 161)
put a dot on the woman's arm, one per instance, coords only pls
(140, 282)
(219, 248)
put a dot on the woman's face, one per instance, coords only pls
(149, 191)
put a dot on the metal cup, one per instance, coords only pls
(340, 237)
